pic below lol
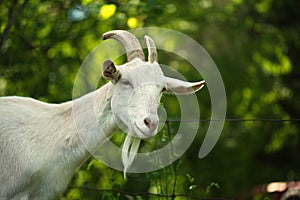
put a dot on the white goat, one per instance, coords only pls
(39, 143)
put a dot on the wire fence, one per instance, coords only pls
(237, 120)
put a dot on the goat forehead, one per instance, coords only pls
(145, 74)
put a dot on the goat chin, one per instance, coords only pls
(129, 151)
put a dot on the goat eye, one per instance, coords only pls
(126, 82)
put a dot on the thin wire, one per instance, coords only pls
(237, 120)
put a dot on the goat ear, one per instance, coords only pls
(110, 72)
(176, 86)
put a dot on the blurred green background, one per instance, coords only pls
(255, 44)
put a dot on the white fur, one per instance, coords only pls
(39, 145)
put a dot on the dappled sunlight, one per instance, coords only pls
(107, 11)
(132, 22)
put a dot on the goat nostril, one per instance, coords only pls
(150, 123)
(147, 121)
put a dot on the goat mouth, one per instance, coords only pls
(142, 133)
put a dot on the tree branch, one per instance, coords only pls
(12, 16)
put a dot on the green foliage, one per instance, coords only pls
(255, 45)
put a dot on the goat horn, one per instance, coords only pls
(130, 43)
(152, 53)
